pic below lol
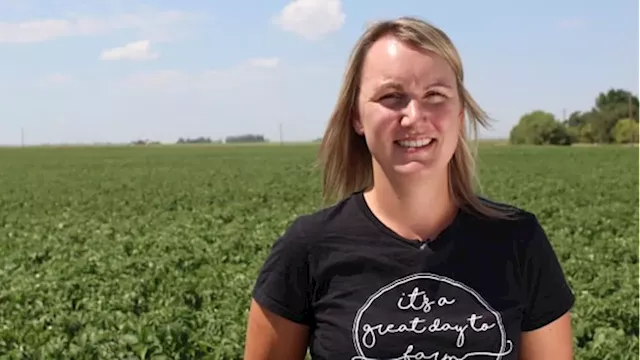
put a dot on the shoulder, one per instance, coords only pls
(519, 224)
(308, 229)
(285, 280)
(328, 219)
(522, 232)
(514, 217)
(293, 244)
(546, 292)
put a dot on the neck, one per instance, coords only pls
(414, 209)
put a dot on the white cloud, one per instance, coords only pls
(269, 62)
(154, 25)
(311, 19)
(137, 51)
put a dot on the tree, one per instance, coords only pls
(597, 124)
(247, 138)
(587, 134)
(576, 119)
(539, 128)
(625, 131)
(620, 103)
(198, 140)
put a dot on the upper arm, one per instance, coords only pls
(270, 336)
(546, 326)
(280, 314)
(551, 341)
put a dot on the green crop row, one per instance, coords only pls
(151, 252)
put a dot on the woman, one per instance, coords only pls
(409, 263)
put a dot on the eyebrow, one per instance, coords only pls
(392, 84)
(388, 84)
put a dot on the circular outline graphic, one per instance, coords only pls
(426, 276)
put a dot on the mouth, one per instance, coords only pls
(418, 144)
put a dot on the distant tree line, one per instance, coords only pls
(144, 142)
(246, 138)
(613, 119)
(198, 140)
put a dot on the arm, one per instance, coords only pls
(272, 337)
(552, 341)
(280, 313)
(546, 327)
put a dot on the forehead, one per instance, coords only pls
(391, 60)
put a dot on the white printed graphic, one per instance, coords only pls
(428, 317)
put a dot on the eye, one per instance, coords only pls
(435, 96)
(391, 96)
(394, 100)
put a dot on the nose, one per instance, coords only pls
(412, 113)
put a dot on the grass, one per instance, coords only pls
(151, 252)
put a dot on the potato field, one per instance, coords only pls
(151, 252)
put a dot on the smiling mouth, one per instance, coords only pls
(415, 144)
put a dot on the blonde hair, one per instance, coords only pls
(344, 156)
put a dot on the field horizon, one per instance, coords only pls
(484, 142)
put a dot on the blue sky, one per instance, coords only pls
(119, 70)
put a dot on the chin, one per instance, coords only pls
(414, 168)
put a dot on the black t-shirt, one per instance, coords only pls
(367, 293)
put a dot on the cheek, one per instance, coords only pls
(446, 120)
(378, 122)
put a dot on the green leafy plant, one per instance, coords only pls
(151, 252)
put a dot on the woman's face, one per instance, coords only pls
(409, 110)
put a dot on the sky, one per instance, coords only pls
(116, 71)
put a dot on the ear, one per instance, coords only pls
(461, 116)
(357, 126)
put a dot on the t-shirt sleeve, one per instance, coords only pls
(283, 283)
(548, 293)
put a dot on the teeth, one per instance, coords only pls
(414, 143)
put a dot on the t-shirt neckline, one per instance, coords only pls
(444, 237)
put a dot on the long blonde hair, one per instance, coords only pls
(344, 156)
